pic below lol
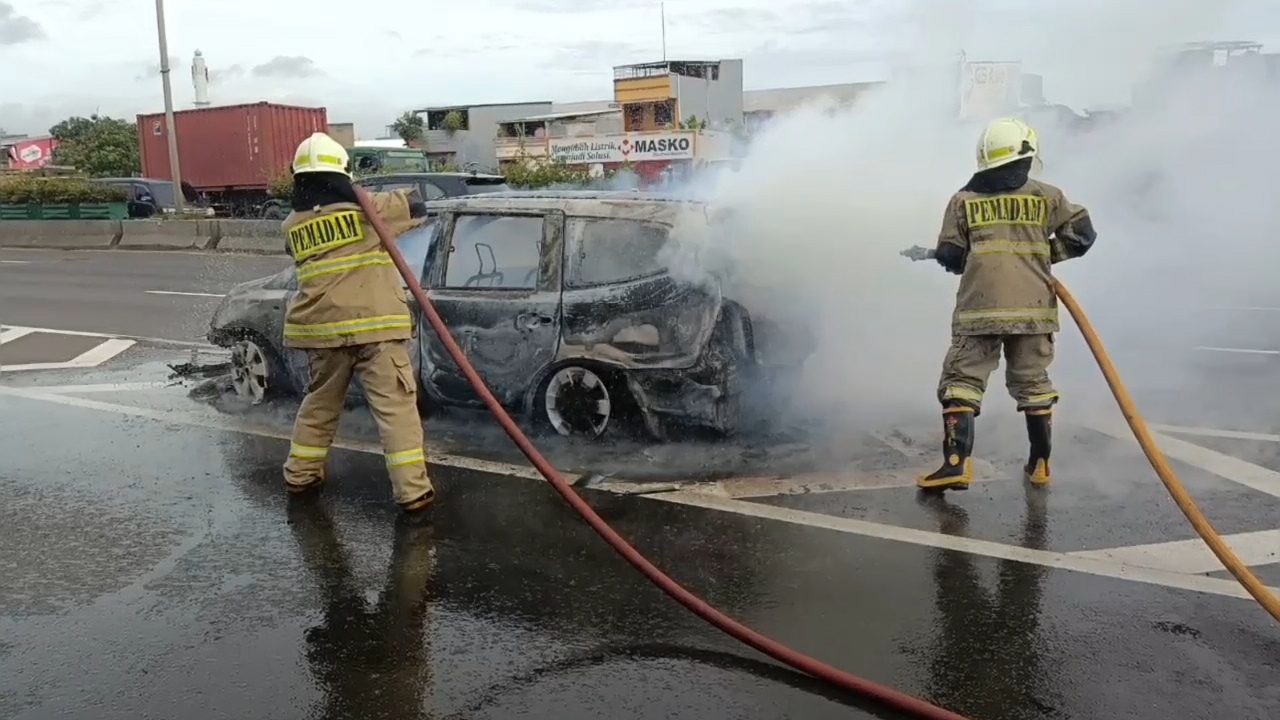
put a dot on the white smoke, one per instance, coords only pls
(1180, 193)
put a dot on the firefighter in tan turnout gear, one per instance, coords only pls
(1001, 234)
(351, 317)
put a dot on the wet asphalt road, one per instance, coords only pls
(114, 291)
(155, 569)
(150, 565)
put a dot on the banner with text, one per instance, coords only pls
(632, 147)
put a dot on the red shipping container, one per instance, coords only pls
(31, 154)
(233, 146)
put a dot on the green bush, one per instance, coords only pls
(57, 191)
(453, 121)
(281, 186)
(532, 173)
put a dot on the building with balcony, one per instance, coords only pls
(529, 137)
(467, 134)
(663, 95)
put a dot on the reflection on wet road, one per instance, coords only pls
(153, 567)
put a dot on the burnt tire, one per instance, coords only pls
(257, 371)
(580, 401)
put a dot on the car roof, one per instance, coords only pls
(429, 175)
(586, 203)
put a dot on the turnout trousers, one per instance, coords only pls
(386, 373)
(972, 358)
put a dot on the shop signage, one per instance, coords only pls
(632, 147)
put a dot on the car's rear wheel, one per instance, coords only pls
(255, 369)
(577, 401)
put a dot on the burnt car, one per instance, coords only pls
(565, 304)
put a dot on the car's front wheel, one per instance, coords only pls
(255, 369)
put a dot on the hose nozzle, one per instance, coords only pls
(917, 253)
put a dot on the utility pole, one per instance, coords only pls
(178, 200)
(662, 8)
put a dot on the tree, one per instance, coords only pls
(98, 146)
(409, 127)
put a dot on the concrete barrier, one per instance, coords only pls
(69, 234)
(168, 234)
(262, 237)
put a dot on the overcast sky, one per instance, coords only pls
(64, 57)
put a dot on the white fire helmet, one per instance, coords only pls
(1005, 141)
(321, 153)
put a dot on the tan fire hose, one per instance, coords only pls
(1155, 455)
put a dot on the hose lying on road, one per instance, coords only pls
(699, 607)
(1161, 465)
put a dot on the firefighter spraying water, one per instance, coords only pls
(1001, 233)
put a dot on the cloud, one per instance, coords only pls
(150, 71)
(93, 10)
(593, 54)
(16, 29)
(226, 73)
(291, 66)
(736, 20)
(573, 6)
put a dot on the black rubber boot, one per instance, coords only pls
(956, 472)
(1040, 435)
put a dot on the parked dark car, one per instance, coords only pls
(564, 303)
(149, 196)
(437, 185)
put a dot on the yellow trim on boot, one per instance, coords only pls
(952, 482)
(1039, 475)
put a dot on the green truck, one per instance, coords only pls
(365, 161)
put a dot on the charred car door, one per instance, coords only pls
(495, 279)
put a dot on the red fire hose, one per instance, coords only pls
(859, 686)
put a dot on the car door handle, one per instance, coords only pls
(531, 321)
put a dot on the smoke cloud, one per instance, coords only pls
(1179, 187)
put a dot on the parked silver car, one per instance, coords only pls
(564, 303)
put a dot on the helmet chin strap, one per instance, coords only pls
(1037, 166)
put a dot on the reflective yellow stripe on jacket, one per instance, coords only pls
(1011, 315)
(349, 327)
(316, 268)
(1009, 247)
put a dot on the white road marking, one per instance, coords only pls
(93, 357)
(9, 334)
(115, 336)
(189, 294)
(1056, 560)
(831, 482)
(1224, 466)
(1193, 556)
(15, 262)
(985, 548)
(1214, 432)
(103, 387)
(212, 422)
(1246, 309)
(1245, 351)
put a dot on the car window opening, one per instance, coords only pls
(495, 252)
(604, 251)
